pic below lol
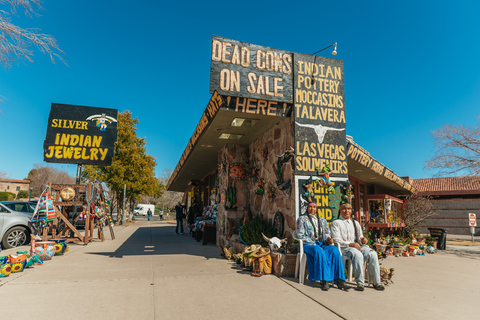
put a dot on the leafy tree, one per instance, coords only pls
(15, 42)
(131, 166)
(457, 150)
(417, 209)
(41, 174)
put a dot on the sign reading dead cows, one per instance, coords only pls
(80, 135)
(246, 70)
(319, 113)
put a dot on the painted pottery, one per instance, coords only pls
(45, 249)
(380, 247)
(5, 268)
(17, 262)
(60, 246)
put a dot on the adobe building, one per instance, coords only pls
(14, 186)
(453, 198)
(272, 138)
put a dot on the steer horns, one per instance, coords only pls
(275, 243)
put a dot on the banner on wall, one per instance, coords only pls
(80, 135)
(328, 200)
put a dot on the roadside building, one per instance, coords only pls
(13, 185)
(265, 154)
(453, 198)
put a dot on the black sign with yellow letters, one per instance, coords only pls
(80, 135)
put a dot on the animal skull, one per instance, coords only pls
(274, 243)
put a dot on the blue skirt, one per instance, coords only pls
(324, 262)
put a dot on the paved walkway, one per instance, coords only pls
(148, 272)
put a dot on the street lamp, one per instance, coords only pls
(334, 52)
(30, 196)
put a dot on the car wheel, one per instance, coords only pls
(17, 236)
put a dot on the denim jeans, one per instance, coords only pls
(358, 257)
(179, 223)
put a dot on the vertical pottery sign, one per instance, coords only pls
(319, 113)
(80, 135)
(246, 70)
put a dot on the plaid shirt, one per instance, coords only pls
(306, 233)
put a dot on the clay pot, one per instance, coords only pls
(45, 249)
(17, 262)
(60, 246)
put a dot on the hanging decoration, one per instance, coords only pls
(231, 198)
(237, 171)
(347, 190)
(44, 211)
(261, 187)
(309, 189)
(325, 178)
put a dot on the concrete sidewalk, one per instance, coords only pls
(148, 272)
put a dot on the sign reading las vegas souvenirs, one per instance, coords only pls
(80, 135)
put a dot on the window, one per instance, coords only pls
(18, 188)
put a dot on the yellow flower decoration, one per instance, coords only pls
(17, 267)
(6, 270)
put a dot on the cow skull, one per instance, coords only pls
(275, 243)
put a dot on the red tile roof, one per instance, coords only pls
(448, 184)
(14, 180)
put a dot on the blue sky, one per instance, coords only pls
(410, 68)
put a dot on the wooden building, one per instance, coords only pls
(454, 198)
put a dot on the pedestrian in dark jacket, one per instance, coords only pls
(179, 215)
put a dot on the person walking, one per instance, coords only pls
(179, 215)
(149, 214)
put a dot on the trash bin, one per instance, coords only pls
(441, 234)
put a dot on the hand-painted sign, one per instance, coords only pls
(328, 200)
(361, 156)
(257, 106)
(80, 135)
(319, 113)
(246, 70)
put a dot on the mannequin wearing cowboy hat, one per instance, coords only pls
(262, 262)
(348, 234)
(323, 259)
(248, 257)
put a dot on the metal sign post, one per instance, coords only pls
(472, 221)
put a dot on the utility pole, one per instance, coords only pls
(124, 195)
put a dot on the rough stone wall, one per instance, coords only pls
(264, 153)
(259, 158)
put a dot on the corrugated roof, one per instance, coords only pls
(471, 183)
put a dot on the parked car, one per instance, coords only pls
(15, 226)
(21, 206)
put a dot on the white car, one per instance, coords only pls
(15, 225)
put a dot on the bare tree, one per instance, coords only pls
(15, 42)
(457, 150)
(41, 174)
(3, 174)
(417, 209)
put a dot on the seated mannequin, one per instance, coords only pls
(323, 259)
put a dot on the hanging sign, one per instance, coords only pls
(80, 135)
(319, 114)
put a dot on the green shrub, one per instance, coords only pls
(6, 196)
(23, 194)
(251, 232)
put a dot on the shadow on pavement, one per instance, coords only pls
(162, 241)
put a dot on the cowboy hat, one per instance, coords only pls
(262, 252)
(252, 248)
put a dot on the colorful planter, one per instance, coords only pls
(45, 249)
(60, 246)
(17, 262)
(380, 247)
(5, 268)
